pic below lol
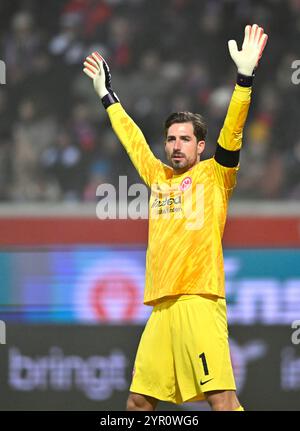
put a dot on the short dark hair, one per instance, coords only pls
(200, 128)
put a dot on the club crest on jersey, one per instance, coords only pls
(185, 183)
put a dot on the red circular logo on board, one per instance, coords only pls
(109, 288)
(185, 183)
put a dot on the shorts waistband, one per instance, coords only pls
(183, 297)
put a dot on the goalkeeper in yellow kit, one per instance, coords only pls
(184, 354)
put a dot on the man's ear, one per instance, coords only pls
(200, 147)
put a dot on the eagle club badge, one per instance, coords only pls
(185, 183)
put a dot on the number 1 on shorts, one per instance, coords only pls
(204, 363)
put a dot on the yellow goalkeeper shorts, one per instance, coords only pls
(184, 350)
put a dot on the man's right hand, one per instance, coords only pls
(97, 69)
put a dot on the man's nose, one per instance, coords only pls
(177, 145)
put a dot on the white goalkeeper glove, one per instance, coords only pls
(254, 43)
(97, 69)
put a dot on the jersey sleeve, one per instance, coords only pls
(134, 143)
(226, 159)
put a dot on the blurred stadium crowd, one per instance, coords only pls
(56, 143)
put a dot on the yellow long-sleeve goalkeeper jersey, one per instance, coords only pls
(187, 212)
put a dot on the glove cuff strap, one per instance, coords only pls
(244, 80)
(109, 99)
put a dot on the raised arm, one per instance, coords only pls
(230, 139)
(125, 128)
